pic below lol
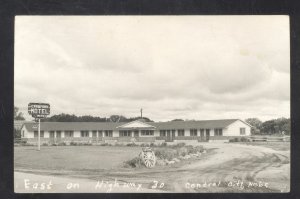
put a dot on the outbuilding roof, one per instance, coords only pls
(79, 126)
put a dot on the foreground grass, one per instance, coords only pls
(73, 157)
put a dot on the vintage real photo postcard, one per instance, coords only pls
(147, 104)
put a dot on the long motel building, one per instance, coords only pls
(135, 131)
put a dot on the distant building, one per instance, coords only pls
(136, 131)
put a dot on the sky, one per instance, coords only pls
(186, 67)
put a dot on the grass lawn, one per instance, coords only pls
(279, 146)
(73, 157)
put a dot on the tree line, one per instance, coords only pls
(274, 126)
(88, 118)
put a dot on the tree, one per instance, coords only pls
(18, 115)
(177, 120)
(287, 127)
(114, 118)
(268, 127)
(276, 126)
(17, 133)
(255, 123)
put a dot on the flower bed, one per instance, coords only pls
(169, 154)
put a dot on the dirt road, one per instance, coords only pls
(229, 168)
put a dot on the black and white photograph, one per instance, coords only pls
(152, 104)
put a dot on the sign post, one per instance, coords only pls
(39, 111)
(39, 136)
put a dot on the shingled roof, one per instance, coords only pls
(78, 126)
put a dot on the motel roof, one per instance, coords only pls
(78, 126)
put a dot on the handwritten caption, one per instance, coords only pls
(240, 184)
(110, 186)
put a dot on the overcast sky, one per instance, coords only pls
(188, 67)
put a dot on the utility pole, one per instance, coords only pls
(141, 113)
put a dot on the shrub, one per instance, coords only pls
(27, 144)
(234, 140)
(135, 162)
(191, 149)
(165, 153)
(181, 144)
(45, 144)
(131, 144)
(73, 143)
(145, 145)
(61, 144)
(164, 144)
(182, 151)
(244, 139)
(239, 139)
(199, 148)
(104, 144)
(19, 141)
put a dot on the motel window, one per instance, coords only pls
(125, 133)
(69, 134)
(242, 131)
(94, 133)
(180, 132)
(162, 133)
(147, 132)
(36, 134)
(84, 133)
(218, 132)
(207, 131)
(108, 133)
(193, 132)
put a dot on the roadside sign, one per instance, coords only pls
(39, 111)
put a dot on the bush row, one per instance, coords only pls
(175, 151)
(164, 152)
(239, 139)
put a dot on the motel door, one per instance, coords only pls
(100, 135)
(170, 136)
(207, 134)
(94, 136)
(51, 135)
(202, 135)
(173, 135)
(136, 133)
(58, 135)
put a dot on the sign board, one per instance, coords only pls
(39, 110)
